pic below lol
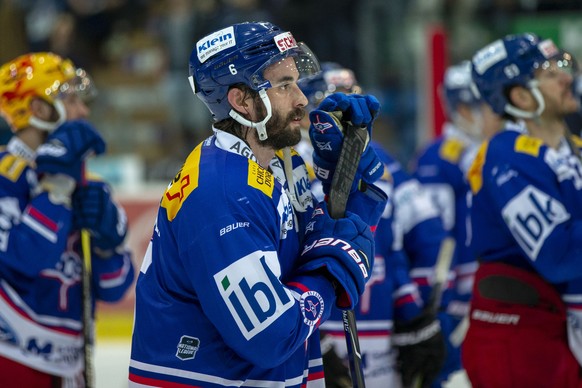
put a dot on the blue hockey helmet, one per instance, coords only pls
(513, 61)
(457, 88)
(332, 78)
(239, 54)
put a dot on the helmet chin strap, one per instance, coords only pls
(522, 114)
(261, 126)
(48, 125)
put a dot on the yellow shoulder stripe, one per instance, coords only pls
(11, 167)
(183, 184)
(475, 173)
(451, 150)
(576, 140)
(528, 145)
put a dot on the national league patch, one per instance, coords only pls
(187, 348)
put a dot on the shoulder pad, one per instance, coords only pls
(182, 185)
(451, 150)
(475, 173)
(577, 141)
(12, 166)
(528, 145)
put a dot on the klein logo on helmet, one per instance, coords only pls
(489, 56)
(285, 41)
(214, 43)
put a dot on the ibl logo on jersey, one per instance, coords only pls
(531, 216)
(253, 293)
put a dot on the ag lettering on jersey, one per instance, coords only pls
(531, 216)
(253, 293)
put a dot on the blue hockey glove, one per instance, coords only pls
(343, 247)
(95, 210)
(326, 134)
(67, 148)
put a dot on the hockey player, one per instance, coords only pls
(45, 200)
(527, 222)
(391, 295)
(241, 269)
(442, 168)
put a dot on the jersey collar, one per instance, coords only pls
(17, 147)
(228, 142)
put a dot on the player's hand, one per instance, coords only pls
(326, 134)
(67, 147)
(95, 210)
(421, 349)
(344, 248)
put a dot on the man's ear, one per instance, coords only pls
(41, 109)
(522, 98)
(239, 100)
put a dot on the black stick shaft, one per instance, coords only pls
(343, 178)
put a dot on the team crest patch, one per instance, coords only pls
(311, 307)
(187, 348)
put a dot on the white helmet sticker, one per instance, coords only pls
(215, 43)
(489, 56)
(285, 41)
(548, 48)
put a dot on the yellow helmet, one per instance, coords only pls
(32, 75)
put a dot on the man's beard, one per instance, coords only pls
(280, 135)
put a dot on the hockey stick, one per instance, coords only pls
(88, 372)
(353, 145)
(441, 271)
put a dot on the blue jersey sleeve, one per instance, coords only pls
(30, 221)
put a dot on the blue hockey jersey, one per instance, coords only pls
(442, 168)
(527, 212)
(527, 204)
(419, 222)
(217, 300)
(40, 272)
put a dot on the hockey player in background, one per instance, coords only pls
(442, 168)
(391, 295)
(525, 316)
(242, 269)
(45, 201)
